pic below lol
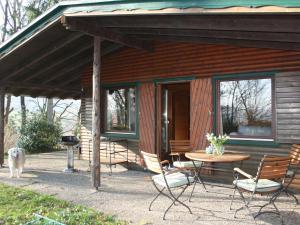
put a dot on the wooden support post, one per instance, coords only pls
(2, 97)
(96, 113)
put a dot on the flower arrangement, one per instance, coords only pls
(217, 143)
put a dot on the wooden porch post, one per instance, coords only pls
(96, 113)
(2, 97)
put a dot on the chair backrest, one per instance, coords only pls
(180, 146)
(152, 162)
(295, 154)
(272, 167)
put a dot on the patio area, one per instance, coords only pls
(127, 194)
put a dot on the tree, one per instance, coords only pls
(36, 7)
(13, 20)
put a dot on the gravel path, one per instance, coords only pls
(126, 194)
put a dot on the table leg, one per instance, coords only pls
(197, 178)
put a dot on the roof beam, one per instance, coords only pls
(34, 86)
(242, 43)
(64, 58)
(94, 29)
(68, 70)
(60, 72)
(262, 23)
(43, 54)
(225, 34)
(103, 53)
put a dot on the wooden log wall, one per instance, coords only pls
(171, 59)
(201, 108)
(147, 117)
(288, 107)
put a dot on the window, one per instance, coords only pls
(245, 108)
(121, 110)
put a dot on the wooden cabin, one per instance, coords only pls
(182, 81)
(154, 71)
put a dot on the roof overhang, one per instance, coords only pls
(45, 59)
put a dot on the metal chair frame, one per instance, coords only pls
(271, 168)
(165, 191)
(180, 147)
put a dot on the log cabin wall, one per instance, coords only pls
(147, 117)
(203, 61)
(186, 59)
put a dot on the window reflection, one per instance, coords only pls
(121, 110)
(246, 108)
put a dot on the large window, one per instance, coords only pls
(245, 108)
(121, 110)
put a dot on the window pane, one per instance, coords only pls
(246, 108)
(121, 110)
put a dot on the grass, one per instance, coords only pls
(18, 205)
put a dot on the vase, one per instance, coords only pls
(218, 150)
(209, 150)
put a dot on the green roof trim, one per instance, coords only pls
(113, 5)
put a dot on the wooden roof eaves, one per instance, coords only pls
(128, 5)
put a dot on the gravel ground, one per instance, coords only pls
(127, 194)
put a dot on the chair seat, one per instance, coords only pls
(263, 185)
(186, 164)
(290, 173)
(174, 180)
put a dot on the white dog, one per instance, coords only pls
(16, 161)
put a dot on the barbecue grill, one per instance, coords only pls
(70, 142)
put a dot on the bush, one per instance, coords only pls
(38, 135)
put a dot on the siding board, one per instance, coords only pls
(201, 106)
(171, 59)
(147, 118)
(288, 109)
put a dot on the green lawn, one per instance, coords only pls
(18, 205)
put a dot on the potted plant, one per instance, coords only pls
(217, 143)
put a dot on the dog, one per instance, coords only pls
(16, 161)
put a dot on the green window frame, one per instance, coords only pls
(243, 140)
(114, 133)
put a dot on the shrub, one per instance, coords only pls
(38, 135)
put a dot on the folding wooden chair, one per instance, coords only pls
(178, 149)
(165, 181)
(270, 177)
(295, 163)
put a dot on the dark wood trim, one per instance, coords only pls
(93, 28)
(36, 86)
(295, 46)
(43, 54)
(242, 22)
(2, 100)
(223, 34)
(96, 117)
(68, 70)
(59, 62)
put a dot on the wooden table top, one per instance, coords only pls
(227, 157)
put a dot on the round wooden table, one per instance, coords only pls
(228, 157)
